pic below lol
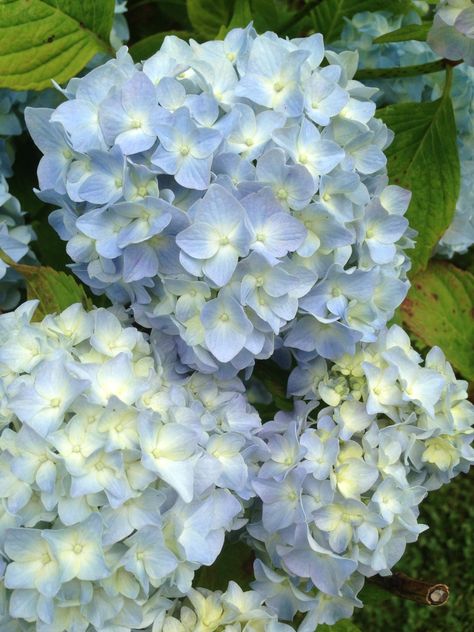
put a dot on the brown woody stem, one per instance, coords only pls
(427, 593)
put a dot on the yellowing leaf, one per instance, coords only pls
(54, 290)
(41, 40)
(439, 311)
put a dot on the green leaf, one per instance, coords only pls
(401, 71)
(54, 290)
(416, 32)
(328, 17)
(208, 16)
(265, 14)
(148, 46)
(41, 40)
(345, 625)
(439, 311)
(423, 158)
(242, 14)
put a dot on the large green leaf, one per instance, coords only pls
(149, 45)
(208, 16)
(266, 15)
(423, 157)
(416, 32)
(41, 40)
(439, 311)
(242, 14)
(328, 17)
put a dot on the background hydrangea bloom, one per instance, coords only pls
(15, 237)
(358, 34)
(272, 163)
(452, 33)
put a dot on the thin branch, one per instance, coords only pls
(405, 71)
(427, 593)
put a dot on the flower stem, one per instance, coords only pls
(427, 593)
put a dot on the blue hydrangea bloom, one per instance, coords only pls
(241, 173)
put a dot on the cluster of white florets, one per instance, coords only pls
(344, 474)
(120, 476)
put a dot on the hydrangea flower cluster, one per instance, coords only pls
(234, 193)
(452, 33)
(358, 34)
(119, 477)
(341, 484)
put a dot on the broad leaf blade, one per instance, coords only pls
(423, 158)
(439, 311)
(328, 17)
(208, 16)
(417, 32)
(242, 14)
(267, 15)
(41, 40)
